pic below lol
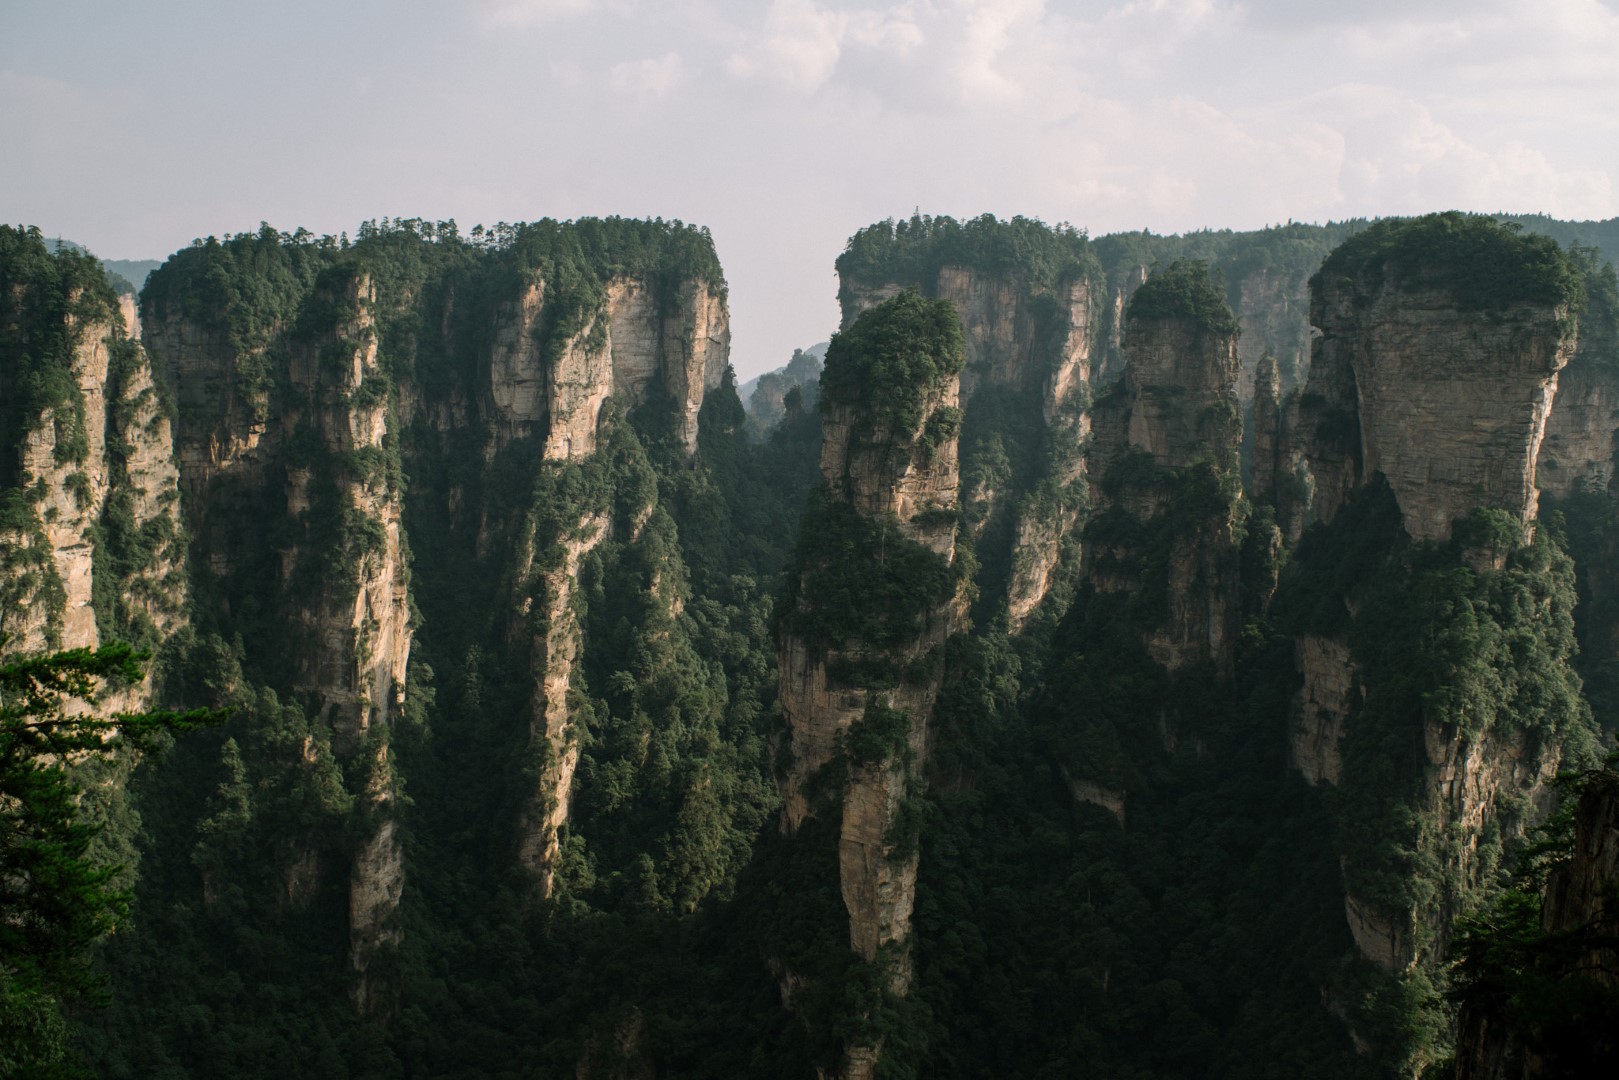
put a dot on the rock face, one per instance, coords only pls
(1322, 707)
(102, 458)
(1274, 309)
(358, 625)
(1182, 385)
(290, 424)
(318, 453)
(1440, 382)
(1578, 450)
(1021, 339)
(1500, 1038)
(1172, 421)
(1450, 404)
(890, 476)
(636, 343)
(555, 649)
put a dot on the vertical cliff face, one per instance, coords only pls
(1165, 450)
(1578, 451)
(862, 647)
(1274, 308)
(1450, 403)
(90, 540)
(298, 382)
(298, 432)
(356, 624)
(553, 734)
(556, 360)
(1029, 299)
(1420, 424)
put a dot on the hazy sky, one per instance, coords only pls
(135, 125)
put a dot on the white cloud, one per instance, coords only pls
(653, 77)
(1398, 157)
(522, 13)
(798, 46)
(1168, 114)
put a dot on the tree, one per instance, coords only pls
(55, 902)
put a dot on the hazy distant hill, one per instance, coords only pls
(128, 275)
(1603, 235)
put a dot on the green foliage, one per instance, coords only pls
(48, 300)
(1484, 264)
(890, 360)
(56, 901)
(1447, 652)
(1184, 290)
(914, 250)
(861, 581)
(1533, 990)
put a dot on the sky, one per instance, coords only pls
(134, 126)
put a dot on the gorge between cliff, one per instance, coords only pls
(1132, 656)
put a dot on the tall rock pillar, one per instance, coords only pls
(876, 597)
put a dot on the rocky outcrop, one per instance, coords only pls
(1450, 404)
(222, 409)
(1385, 940)
(1182, 381)
(1165, 438)
(70, 489)
(872, 732)
(549, 375)
(1016, 335)
(1020, 339)
(555, 646)
(357, 621)
(99, 465)
(1322, 706)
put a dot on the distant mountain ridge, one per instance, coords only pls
(128, 275)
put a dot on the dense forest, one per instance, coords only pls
(1073, 676)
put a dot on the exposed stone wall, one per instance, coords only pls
(1322, 706)
(1176, 402)
(1578, 450)
(1452, 403)
(554, 650)
(1018, 339)
(129, 454)
(885, 475)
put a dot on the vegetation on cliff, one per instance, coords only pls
(890, 361)
(57, 898)
(47, 302)
(1184, 291)
(1483, 264)
(1538, 988)
(913, 251)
